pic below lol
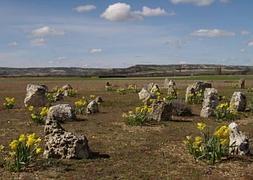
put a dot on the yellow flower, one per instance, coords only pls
(198, 140)
(188, 138)
(14, 144)
(22, 138)
(30, 108)
(150, 110)
(224, 142)
(44, 111)
(33, 116)
(31, 139)
(124, 115)
(1, 148)
(38, 150)
(137, 109)
(222, 132)
(201, 126)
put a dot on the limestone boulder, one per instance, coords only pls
(36, 95)
(61, 112)
(238, 101)
(238, 142)
(61, 144)
(92, 107)
(161, 111)
(210, 101)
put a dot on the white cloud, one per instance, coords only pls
(244, 32)
(95, 50)
(85, 8)
(194, 2)
(211, 33)
(120, 12)
(242, 50)
(250, 43)
(13, 44)
(38, 42)
(46, 31)
(146, 11)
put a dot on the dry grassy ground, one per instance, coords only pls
(149, 152)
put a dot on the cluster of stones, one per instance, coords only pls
(196, 88)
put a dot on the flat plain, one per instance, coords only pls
(154, 151)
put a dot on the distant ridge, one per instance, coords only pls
(133, 71)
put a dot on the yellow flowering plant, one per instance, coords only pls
(24, 150)
(9, 103)
(137, 117)
(196, 98)
(80, 105)
(38, 115)
(209, 147)
(71, 92)
(224, 112)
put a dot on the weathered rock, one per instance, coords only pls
(152, 88)
(242, 83)
(238, 101)
(61, 112)
(99, 99)
(162, 111)
(144, 95)
(238, 142)
(62, 144)
(92, 107)
(211, 100)
(169, 83)
(66, 87)
(36, 95)
(195, 88)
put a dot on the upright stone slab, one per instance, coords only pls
(92, 107)
(238, 142)
(66, 88)
(153, 87)
(99, 99)
(61, 112)
(211, 100)
(36, 95)
(162, 111)
(238, 101)
(172, 91)
(242, 83)
(62, 144)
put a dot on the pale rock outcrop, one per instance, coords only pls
(36, 95)
(161, 111)
(92, 107)
(61, 112)
(211, 100)
(238, 101)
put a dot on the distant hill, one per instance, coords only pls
(133, 71)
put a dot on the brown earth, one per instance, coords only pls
(148, 152)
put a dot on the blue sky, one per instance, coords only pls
(109, 33)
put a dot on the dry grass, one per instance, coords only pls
(151, 152)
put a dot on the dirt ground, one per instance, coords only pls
(148, 152)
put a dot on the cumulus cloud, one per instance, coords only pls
(146, 11)
(85, 8)
(120, 12)
(250, 43)
(95, 50)
(212, 33)
(194, 2)
(123, 12)
(38, 42)
(13, 44)
(46, 31)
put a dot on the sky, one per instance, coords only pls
(109, 33)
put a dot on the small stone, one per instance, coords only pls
(238, 101)
(99, 99)
(92, 107)
(36, 95)
(242, 83)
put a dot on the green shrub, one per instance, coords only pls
(9, 103)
